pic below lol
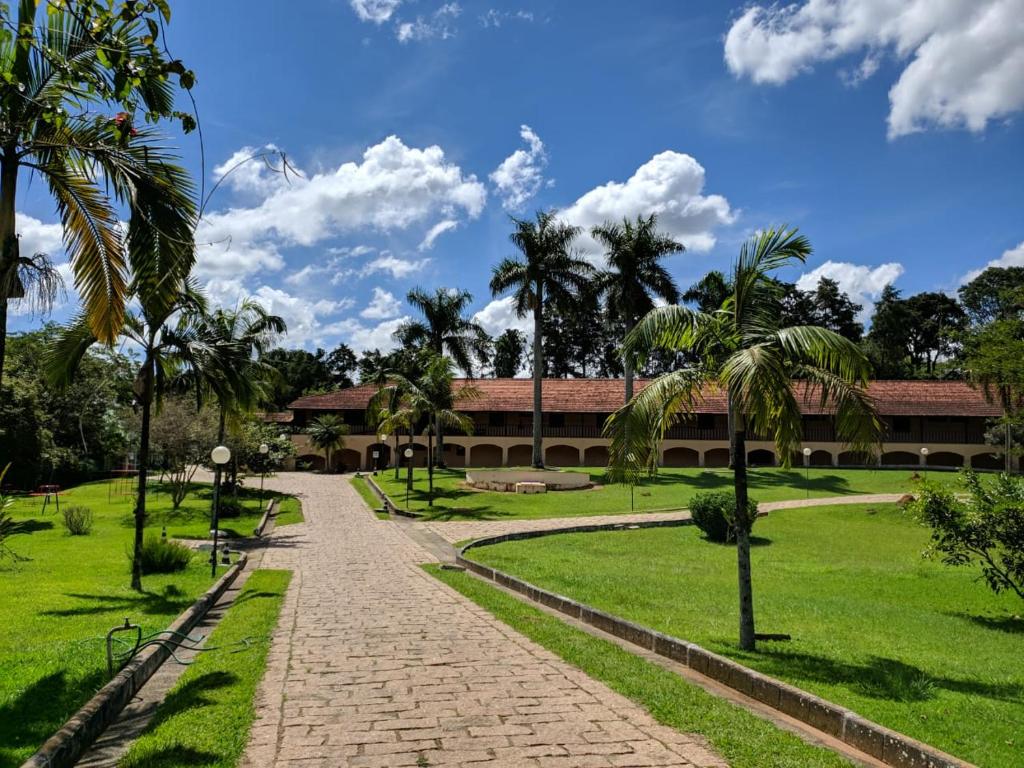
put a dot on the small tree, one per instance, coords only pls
(328, 434)
(8, 525)
(182, 438)
(986, 529)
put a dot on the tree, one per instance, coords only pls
(635, 275)
(328, 433)
(996, 294)
(181, 437)
(887, 344)
(935, 321)
(547, 268)
(509, 349)
(986, 529)
(741, 349)
(341, 364)
(834, 310)
(709, 292)
(59, 76)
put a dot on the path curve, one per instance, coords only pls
(376, 663)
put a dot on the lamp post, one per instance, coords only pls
(220, 456)
(408, 457)
(384, 444)
(264, 451)
(807, 471)
(924, 455)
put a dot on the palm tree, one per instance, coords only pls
(709, 292)
(548, 269)
(328, 433)
(444, 330)
(74, 63)
(741, 349)
(634, 251)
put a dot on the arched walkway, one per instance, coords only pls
(681, 457)
(383, 458)
(310, 461)
(454, 455)
(945, 459)
(987, 461)
(820, 459)
(419, 455)
(900, 459)
(595, 456)
(855, 459)
(562, 456)
(345, 460)
(520, 456)
(716, 457)
(485, 455)
(761, 457)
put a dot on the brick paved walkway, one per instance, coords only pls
(464, 530)
(376, 663)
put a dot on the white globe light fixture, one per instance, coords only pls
(924, 451)
(221, 455)
(807, 473)
(924, 455)
(408, 453)
(264, 449)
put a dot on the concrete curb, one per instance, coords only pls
(389, 506)
(66, 746)
(891, 747)
(258, 530)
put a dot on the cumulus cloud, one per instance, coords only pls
(500, 315)
(521, 174)
(438, 24)
(670, 185)
(361, 337)
(38, 237)
(252, 169)
(394, 187)
(861, 283)
(377, 11)
(382, 306)
(962, 58)
(1013, 257)
(393, 265)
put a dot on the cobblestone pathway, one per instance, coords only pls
(376, 663)
(463, 530)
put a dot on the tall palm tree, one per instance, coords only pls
(709, 292)
(65, 70)
(634, 273)
(741, 349)
(328, 433)
(445, 330)
(548, 268)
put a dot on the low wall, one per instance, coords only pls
(506, 479)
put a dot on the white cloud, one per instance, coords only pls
(377, 11)
(394, 187)
(963, 58)
(861, 283)
(252, 169)
(362, 337)
(396, 267)
(1013, 257)
(500, 315)
(435, 232)
(38, 237)
(521, 174)
(382, 306)
(670, 185)
(438, 24)
(494, 18)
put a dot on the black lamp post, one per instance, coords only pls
(264, 452)
(408, 457)
(924, 456)
(220, 456)
(807, 471)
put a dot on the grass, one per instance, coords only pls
(670, 489)
(364, 490)
(744, 740)
(205, 719)
(289, 511)
(918, 646)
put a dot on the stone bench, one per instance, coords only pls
(529, 487)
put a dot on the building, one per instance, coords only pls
(948, 418)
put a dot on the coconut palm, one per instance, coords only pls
(328, 433)
(634, 273)
(547, 269)
(58, 74)
(741, 349)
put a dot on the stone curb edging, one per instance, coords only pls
(889, 746)
(389, 506)
(68, 744)
(258, 530)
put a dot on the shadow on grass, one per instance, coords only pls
(1013, 625)
(177, 756)
(171, 600)
(32, 525)
(878, 678)
(40, 709)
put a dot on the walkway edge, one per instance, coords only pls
(268, 513)
(66, 746)
(891, 747)
(389, 505)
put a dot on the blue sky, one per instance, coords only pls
(890, 133)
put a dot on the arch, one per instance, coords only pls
(520, 456)
(455, 454)
(562, 456)
(987, 461)
(595, 456)
(346, 460)
(716, 457)
(945, 459)
(855, 459)
(820, 459)
(761, 457)
(310, 461)
(681, 457)
(900, 459)
(383, 460)
(419, 455)
(485, 455)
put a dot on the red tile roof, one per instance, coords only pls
(893, 398)
(276, 417)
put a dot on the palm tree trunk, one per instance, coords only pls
(627, 366)
(8, 238)
(440, 442)
(538, 373)
(741, 527)
(140, 500)
(408, 466)
(396, 455)
(430, 468)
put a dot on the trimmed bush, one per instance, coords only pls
(228, 508)
(78, 520)
(163, 556)
(714, 512)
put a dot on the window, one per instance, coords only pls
(705, 421)
(495, 419)
(556, 420)
(900, 423)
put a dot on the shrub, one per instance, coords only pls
(714, 512)
(78, 520)
(163, 556)
(229, 508)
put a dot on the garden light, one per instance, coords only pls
(220, 455)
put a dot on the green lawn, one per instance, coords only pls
(670, 489)
(744, 740)
(366, 492)
(205, 719)
(289, 511)
(918, 646)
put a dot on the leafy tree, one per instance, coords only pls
(328, 433)
(575, 331)
(59, 76)
(887, 344)
(635, 275)
(709, 292)
(996, 294)
(181, 437)
(298, 373)
(935, 321)
(509, 349)
(742, 349)
(986, 529)
(8, 525)
(836, 311)
(341, 364)
(547, 268)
